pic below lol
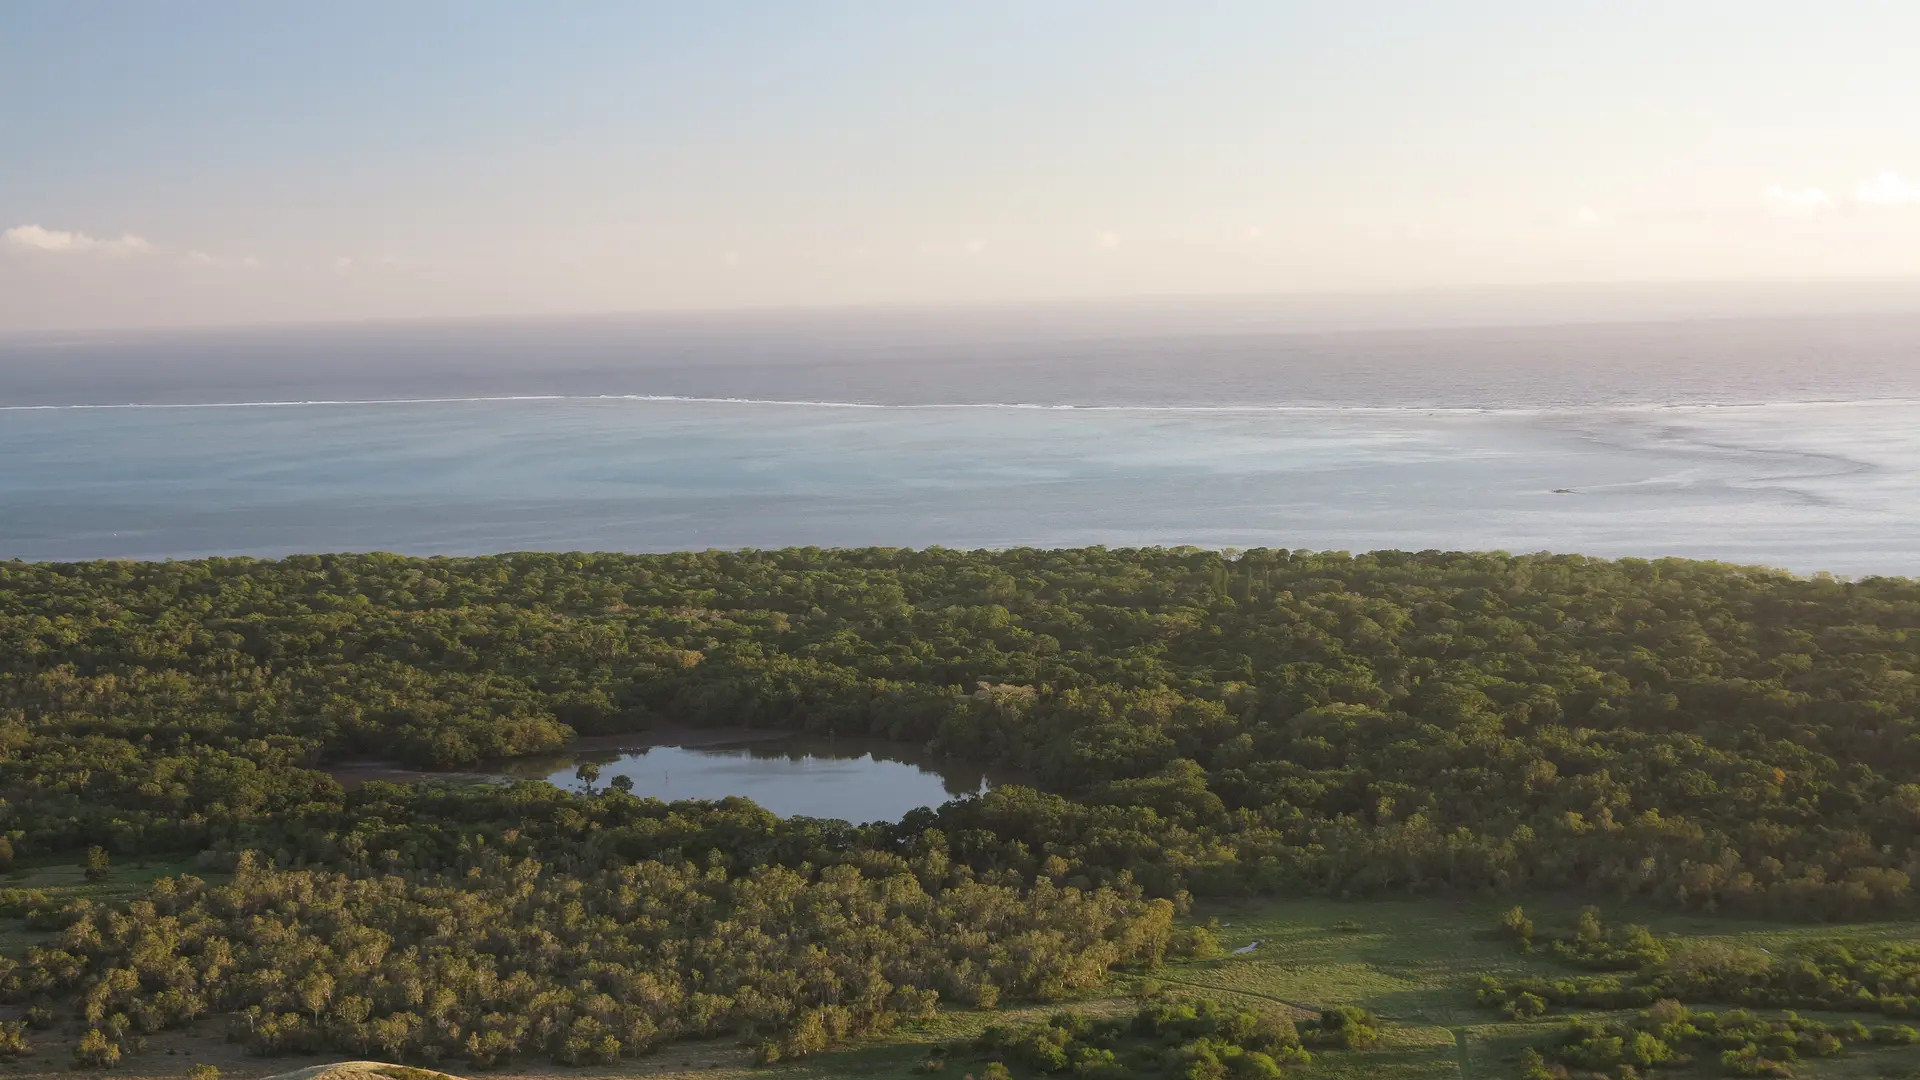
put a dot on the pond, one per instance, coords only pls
(857, 780)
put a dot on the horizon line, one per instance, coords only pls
(1067, 303)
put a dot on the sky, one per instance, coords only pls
(233, 163)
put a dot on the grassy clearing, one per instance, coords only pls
(124, 879)
(66, 881)
(1416, 964)
(1413, 963)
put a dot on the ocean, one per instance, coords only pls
(1788, 442)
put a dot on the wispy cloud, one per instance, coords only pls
(39, 238)
(200, 260)
(1784, 200)
(1106, 241)
(1887, 189)
(42, 240)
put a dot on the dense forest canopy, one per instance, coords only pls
(1697, 734)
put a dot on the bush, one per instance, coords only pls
(1195, 943)
(1253, 1065)
(1746, 1061)
(1198, 1039)
(1533, 1066)
(1273, 1033)
(96, 1051)
(20, 903)
(1515, 924)
(1348, 1027)
(1526, 1006)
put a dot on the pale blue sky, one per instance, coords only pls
(243, 162)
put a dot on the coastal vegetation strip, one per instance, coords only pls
(1200, 729)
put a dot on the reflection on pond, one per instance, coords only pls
(814, 776)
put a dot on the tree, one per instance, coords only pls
(588, 774)
(94, 866)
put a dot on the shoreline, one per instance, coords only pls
(353, 774)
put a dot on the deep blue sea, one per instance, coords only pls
(1791, 442)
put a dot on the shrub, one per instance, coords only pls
(1348, 1027)
(1273, 1032)
(96, 1051)
(1746, 1061)
(1196, 943)
(1253, 1065)
(20, 903)
(1525, 1006)
(1516, 925)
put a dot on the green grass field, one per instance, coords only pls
(1413, 963)
(1416, 964)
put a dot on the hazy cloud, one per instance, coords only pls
(37, 238)
(976, 246)
(200, 260)
(1106, 241)
(1887, 189)
(1785, 200)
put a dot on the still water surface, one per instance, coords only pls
(857, 780)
